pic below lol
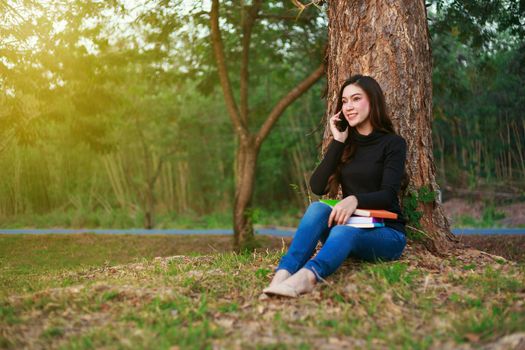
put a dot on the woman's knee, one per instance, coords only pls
(343, 232)
(341, 236)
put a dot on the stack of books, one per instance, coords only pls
(364, 218)
(365, 222)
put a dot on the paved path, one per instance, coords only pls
(488, 231)
(271, 232)
(288, 232)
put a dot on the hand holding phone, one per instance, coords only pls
(339, 127)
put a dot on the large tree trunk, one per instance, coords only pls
(389, 40)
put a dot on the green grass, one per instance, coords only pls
(119, 218)
(202, 301)
(26, 261)
(490, 218)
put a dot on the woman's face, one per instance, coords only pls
(356, 106)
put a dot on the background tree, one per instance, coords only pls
(21, 110)
(249, 143)
(477, 83)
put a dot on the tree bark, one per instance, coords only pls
(246, 162)
(389, 40)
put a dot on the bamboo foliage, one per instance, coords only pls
(485, 155)
(173, 187)
(302, 160)
(519, 141)
(125, 174)
(181, 188)
(117, 179)
(166, 188)
(17, 205)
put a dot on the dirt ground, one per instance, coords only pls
(511, 247)
(508, 246)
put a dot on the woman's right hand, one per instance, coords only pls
(338, 135)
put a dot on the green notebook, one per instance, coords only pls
(330, 202)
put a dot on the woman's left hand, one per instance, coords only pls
(342, 211)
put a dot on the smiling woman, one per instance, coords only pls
(356, 109)
(366, 158)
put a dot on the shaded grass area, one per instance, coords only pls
(27, 259)
(213, 301)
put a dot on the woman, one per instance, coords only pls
(367, 159)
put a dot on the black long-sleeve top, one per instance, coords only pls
(373, 174)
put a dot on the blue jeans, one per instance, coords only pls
(339, 242)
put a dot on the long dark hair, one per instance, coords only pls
(378, 118)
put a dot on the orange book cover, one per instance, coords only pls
(376, 213)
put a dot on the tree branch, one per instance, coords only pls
(201, 13)
(239, 128)
(285, 102)
(248, 19)
(304, 19)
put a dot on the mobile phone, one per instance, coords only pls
(342, 124)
